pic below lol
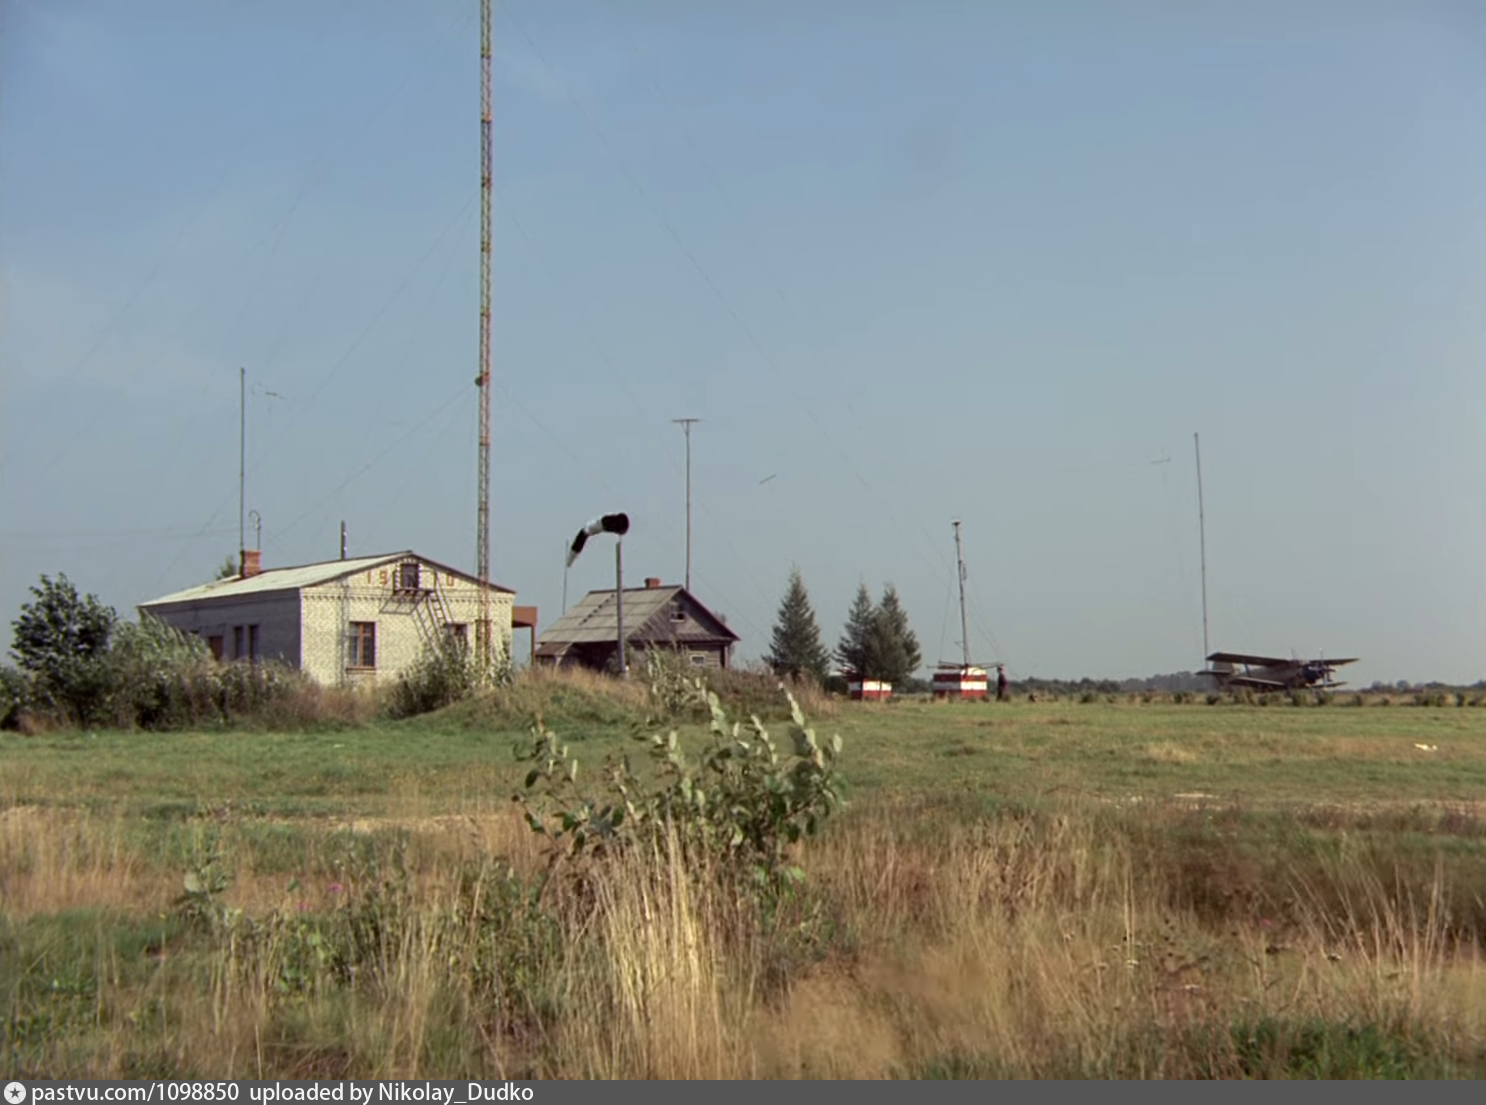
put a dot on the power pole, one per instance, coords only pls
(685, 424)
(482, 510)
(1202, 537)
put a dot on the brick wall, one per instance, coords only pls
(328, 608)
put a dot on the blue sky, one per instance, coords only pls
(994, 261)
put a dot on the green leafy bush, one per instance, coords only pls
(742, 800)
(15, 696)
(446, 673)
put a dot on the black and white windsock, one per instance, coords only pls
(609, 523)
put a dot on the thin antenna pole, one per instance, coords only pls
(1202, 537)
(482, 521)
(343, 540)
(242, 462)
(964, 625)
(686, 426)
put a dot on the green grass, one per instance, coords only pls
(1052, 889)
(1260, 757)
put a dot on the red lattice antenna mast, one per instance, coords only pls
(482, 521)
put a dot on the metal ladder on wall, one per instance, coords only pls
(432, 616)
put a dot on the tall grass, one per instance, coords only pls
(926, 941)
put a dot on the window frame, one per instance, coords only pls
(361, 646)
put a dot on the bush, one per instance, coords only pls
(741, 802)
(157, 677)
(15, 696)
(446, 673)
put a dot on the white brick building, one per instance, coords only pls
(341, 621)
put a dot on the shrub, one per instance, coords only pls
(741, 801)
(446, 673)
(674, 686)
(15, 696)
(157, 677)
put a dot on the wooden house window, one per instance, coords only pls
(677, 614)
(237, 642)
(361, 645)
(214, 643)
(253, 643)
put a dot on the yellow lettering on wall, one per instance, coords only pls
(382, 576)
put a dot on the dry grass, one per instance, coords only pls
(1166, 753)
(1075, 942)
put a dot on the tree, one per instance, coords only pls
(228, 570)
(858, 647)
(61, 639)
(897, 650)
(796, 648)
(60, 628)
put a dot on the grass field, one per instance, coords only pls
(1058, 889)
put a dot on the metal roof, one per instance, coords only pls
(595, 618)
(293, 579)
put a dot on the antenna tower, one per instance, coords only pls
(964, 625)
(242, 466)
(482, 520)
(685, 424)
(1202, 537)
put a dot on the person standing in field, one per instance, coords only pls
(1001, 695)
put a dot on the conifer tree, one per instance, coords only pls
(796, 649)
(859, 647)
(897, 645)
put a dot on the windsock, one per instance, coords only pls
(609, 523)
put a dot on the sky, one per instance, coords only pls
(907, 262)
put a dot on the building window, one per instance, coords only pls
(214, 643)
(237, 642)
(253, 643)
(361, 645)
(407, 576)
(677, 614)
(699, 659)
(459, 633)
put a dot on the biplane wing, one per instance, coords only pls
(1257, 661)
(1272, 661)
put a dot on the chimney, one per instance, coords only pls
(651, 583)
(249, 563)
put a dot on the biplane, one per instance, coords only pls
(1273, 673)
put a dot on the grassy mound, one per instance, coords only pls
(563, 697)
